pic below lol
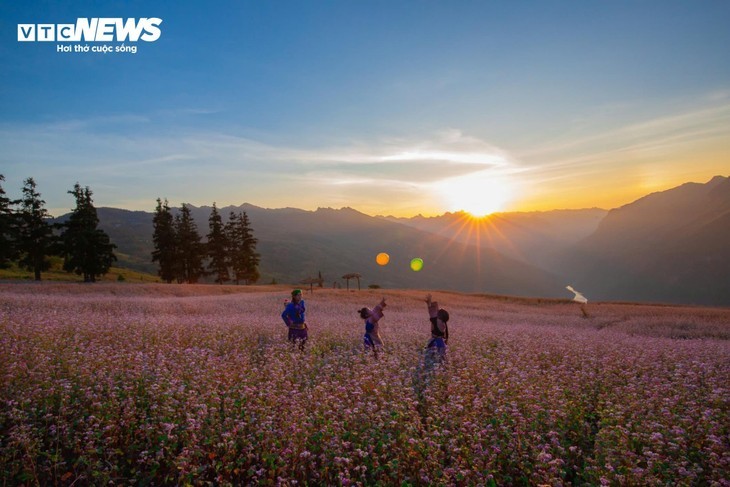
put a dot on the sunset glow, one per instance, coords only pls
(408, 109)
(477, 194)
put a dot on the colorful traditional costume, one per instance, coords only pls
(294, 319)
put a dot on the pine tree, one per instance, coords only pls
(217, 248)
(190, 250)
(87, 249)
(254, 258)
(234, 252)
(35, 235)
(165, 242)
(244, 259)
(8, 229)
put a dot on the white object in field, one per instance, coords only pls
(578, 296)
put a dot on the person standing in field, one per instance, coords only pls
(372, 340)
(439, 317)
(294, 319)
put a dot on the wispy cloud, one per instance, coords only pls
(132, 159)
(653, 135)
(97, 123)
(143, 164)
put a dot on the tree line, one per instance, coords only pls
(229, 254)
(28, 238)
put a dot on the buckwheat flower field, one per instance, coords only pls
(111, 384)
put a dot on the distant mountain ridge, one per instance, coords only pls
(532, 237)
(670, 246)
(297, 244)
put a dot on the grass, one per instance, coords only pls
(56, 273)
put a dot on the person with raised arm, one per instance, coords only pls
(439, 318)
(372, 340)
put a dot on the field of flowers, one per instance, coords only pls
(154, 384)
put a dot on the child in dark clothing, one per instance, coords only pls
(372, 339)
(439, 318)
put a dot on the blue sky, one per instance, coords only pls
(392, 107)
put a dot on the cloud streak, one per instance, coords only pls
(655, 134)
(145, 164)
(631, 156)
(133, 160)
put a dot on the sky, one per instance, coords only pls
(389, 107)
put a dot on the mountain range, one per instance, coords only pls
(672, 246)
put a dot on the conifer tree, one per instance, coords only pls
(87, 249)
(35, 235)
(8, 229)
(217, 247)
(190, 250)
(242, 250)
(233, 251)
(165, 242)
(253, 258)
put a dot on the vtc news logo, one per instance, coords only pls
(93, 30)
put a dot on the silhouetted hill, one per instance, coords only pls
(131, 231)
(671, 246)
(668, 246)
(533, 237)
(296, 244)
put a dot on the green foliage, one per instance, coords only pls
(87, 250)
(165, 246)
(230, 249)
(56, 273)
(8, 229)
(35, 235)
(244, 260)
(190, 250)
(217, 247)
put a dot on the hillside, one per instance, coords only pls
(668, 246)
(297, 244)
(532, 237)
(132, 232)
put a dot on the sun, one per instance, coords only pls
(478, 194)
